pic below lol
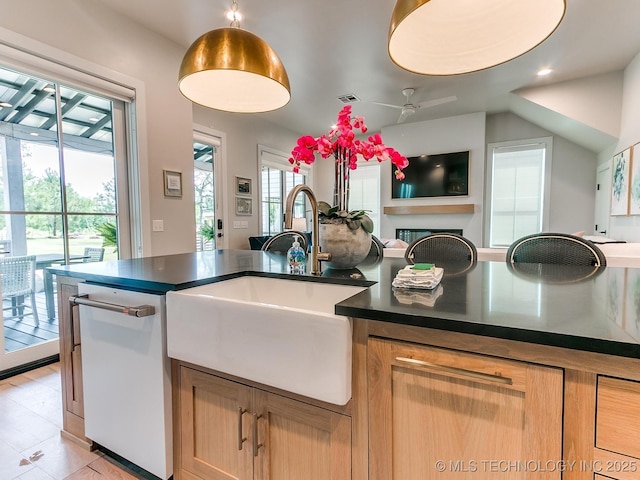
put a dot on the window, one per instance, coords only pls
(276, 180)
(519, 175)
(64, 197)
(364, 191)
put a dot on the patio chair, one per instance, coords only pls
(18, 283)
(93, 254)
(558, 248)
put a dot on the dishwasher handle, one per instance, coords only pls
(137, 311)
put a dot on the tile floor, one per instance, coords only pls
(31, 447)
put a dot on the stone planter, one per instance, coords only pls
(348, 247)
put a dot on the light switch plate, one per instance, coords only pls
(158, 225)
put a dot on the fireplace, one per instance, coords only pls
(410, 234)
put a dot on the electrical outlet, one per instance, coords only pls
(158, 225)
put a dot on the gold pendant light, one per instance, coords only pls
(233, 70)
(449, 37)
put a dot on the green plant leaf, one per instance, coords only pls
(353, 224)
(324, 207)
(367, 223)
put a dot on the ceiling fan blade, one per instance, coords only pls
(437, 101)
(404, 114)
(388, 105)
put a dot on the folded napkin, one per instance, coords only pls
(410, 277)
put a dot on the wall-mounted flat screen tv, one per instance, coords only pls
(441, 175)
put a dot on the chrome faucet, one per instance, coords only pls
(316, 255)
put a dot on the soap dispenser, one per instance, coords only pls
(296, 257)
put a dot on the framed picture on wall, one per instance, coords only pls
(634, 181)
(243, 186)
(620, 183)
(243, 206)
(172, 183)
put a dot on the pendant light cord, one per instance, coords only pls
(234, 15)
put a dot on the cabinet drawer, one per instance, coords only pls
(618, 416)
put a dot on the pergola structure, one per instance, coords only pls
(29, 112)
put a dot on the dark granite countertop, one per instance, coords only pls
(572, 307)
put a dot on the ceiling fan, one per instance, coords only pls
(409, 108)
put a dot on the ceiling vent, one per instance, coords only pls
(348, 98)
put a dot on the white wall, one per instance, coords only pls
(243, 135)
(573, 173)
(628, 228)
(452, 134)
(86, 34)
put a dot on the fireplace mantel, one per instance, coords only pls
(429, 209)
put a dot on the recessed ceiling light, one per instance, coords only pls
(34, 134)
(5, 104)
(49, 88)
(94, 119)
(544, 71)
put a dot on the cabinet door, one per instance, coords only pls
(300, 441)
(436, 413)
(215, 427)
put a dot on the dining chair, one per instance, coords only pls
(376, 252)
(454, 253)
(556, 248)
(18, 276)
(93, 254)
(281, 242)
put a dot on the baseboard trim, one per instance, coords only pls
(10, 372)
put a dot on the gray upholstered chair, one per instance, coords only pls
(18, 276)
(556, 248)
(453, 252)
(281, 242)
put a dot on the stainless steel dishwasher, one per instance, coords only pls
(127, 375)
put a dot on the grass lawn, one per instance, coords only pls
(36, 246)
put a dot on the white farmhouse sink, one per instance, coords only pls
(277, 332)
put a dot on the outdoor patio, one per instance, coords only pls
(22, 333)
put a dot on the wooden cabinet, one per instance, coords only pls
(436, 413)
(70, 362)
(228, 430)
(617, 428)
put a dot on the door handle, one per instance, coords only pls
(457, 371)
(137, 311)
(256, 445)
(241, 439)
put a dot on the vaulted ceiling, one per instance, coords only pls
(331, 48)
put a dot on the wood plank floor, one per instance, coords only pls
(19, 334)
(31, 447)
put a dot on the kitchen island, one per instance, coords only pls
(566, 340)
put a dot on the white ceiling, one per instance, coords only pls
(336, 47)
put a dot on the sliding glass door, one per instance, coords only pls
(63, 199)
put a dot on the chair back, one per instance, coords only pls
(556, 248)
(281, 242)
(18, 275)
(451, 251)
(377, 247)
(93, 254)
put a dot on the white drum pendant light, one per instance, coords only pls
(449, 37)
(233, 70)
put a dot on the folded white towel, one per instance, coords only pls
(409, 272)
(407, 278)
